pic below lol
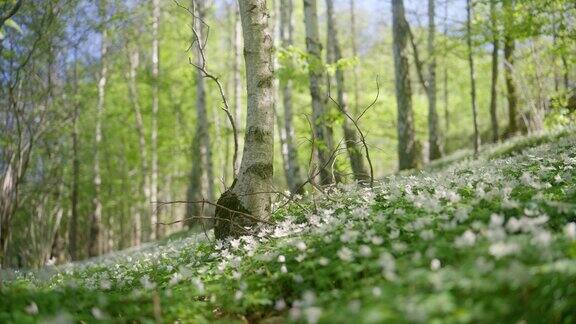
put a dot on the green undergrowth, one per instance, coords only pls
(474, 241)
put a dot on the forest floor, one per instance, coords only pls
(486, 240)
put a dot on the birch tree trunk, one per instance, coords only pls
(472, 75)
(494, 85)
(434, 137)
(154, 216)
(407, 151)
(509, 69)
(95, 244)
(293, 174)
(350, 135)
(250, 192)
(320, 122)
(202, 177)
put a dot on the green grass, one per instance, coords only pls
(481, 241)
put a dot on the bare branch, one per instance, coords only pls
(201, 51)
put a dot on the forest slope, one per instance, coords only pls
(484, 240)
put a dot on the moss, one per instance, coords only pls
(263, 170)
(258, 135)
(229, 219)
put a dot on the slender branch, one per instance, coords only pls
(362, 136)
(207, 74)
(204, 201)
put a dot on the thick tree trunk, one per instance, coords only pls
(95, 246)
(320, 121)
(154, 216)
(353, 146)
(145, 182)
(509, 69)
(202, 177)
(472, 75)
(293, 174)
(434, 137)
(494, 85)
(250, 192)
(407, 152)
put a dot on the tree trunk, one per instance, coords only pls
(95, 245)
(237, 80)
(350, 135)
(320, 121)
(154, 216)
(472, 75)
(293, 175)
(494, 85)
(509, 69)
(355, 70)
(201, 177)
(434, 138)
(250, 192)
(73, 229)
(407, 152)
(446, 94)
(145, 182)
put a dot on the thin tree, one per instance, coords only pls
(74, 193)
(250, 191)
(95, 245)
(434, 137)
(293, 174)
(509, 46)
(133, 58)
(237, 78)
(407, 152)
(355, 70)
(202, 177)
(472, 75)
(154, 217)
(334, 54)
(316, 72)
(494, 84)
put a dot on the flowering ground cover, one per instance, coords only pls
(486, 240)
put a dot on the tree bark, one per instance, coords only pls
(353, 147)
(407, 152)
(434, 137)
(202, 177)
(294, 177)
(472, 75)
(250, 192)
(95, 246)
(509, 69)
(154, 215)
(494, 85)
(320, 121)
